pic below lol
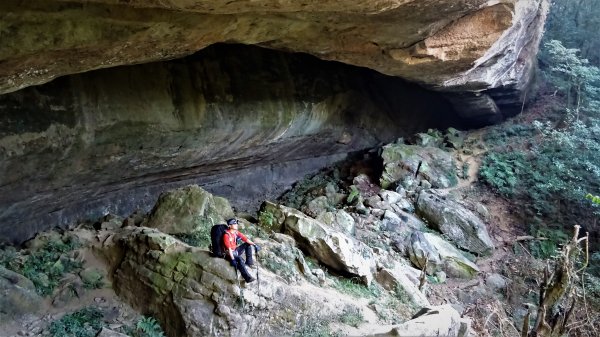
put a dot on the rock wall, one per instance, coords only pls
(454, 46)
(243, 122)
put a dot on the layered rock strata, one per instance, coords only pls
(243, 122)
(459, 46)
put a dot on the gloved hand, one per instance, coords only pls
(233, 263)
(256, 247)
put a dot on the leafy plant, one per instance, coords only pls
(45, 266)
(267, 218)
(354, 194)
(83, 323)
(465, 170)
(352, 316)
(353, 288)
(93, 284)
(314, 327)
(502, 170)
(594, 198)
(199, 238)
(148, 327)
(548, 247)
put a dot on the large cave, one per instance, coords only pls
(243, 122)
(104, 104)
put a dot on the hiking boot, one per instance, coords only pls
(250, 265)
(250, 279)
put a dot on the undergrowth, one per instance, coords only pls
(82, 323)
(45, 266)
(199, 238)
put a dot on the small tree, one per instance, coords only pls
(558, 294)
(575, 76)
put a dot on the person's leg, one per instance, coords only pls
(242, 268)
(248, 250)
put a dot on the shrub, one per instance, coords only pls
(545, 249)
(199, 238)
(46, 266)
(83, 323)
(353, 288)
(352, 316)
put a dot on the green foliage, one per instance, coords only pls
(145, 327)
(593, 198)
(574, 76)
(502, 170)
(148, 327)
(93, 284)
(352, 316)
(545, 249)
(10, 258)
(83, 323)
(465, 170)
(314, 327)
(551, 172)
(354, 194)
(576, 23)
(359, 290)
(46, 266)
(199, 238)
(266, 218)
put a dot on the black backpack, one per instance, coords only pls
(216, 240)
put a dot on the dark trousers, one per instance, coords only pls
(241, 264)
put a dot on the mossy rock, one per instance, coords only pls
(187, 210)
(428, 163)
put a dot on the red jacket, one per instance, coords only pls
(230, 238)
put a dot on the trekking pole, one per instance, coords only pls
(240, 287)
(257, 276)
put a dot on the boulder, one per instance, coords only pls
(365, 186)
(332, 248)
(188, 209)
(271, 216)
(402, 161)
(456, 222)
(339, 220)
(442, 256)
(440, 320)
(17, 295)
(395, 279)
(401, 221)
(317, 206)
(193, 294)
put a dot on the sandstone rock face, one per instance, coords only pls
(195, 295)
(123, 135)
(474, 45)
(240, 121)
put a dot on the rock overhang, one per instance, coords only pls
(480, 52)
(112, 140)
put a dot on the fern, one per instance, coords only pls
(148, 327)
